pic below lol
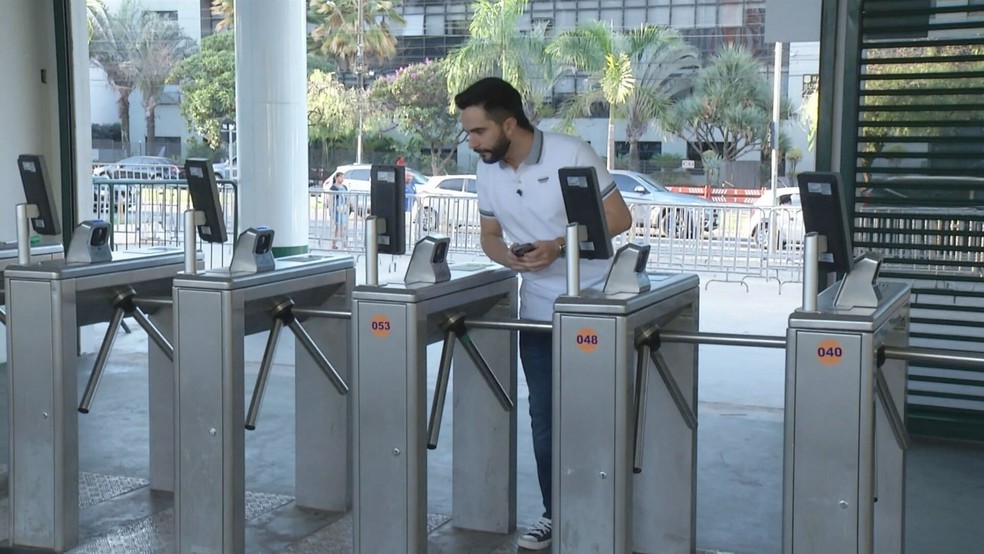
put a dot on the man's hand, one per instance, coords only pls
(543, 254)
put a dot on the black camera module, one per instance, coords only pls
(440, 251)
(263, 243)
(99, 236)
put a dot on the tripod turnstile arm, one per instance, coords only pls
(455, 323)
(895, 420)
(101, 358)
(641, 395)
(319, 357)
(688, 415)
(440, 390)
(261, 378)
(486, 372)
(153, 332)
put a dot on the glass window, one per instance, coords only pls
(451, 184)
(470, 186)
(626, 183)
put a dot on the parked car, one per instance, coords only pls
(438, 205)
(672, 213)
(140, 167)
(787, 215)
(228, 169)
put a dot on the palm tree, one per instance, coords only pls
(110, 49)
(497, 48)
(731, 106)
(637, 73)
(227, 9)
(337, 30)
(162, 44)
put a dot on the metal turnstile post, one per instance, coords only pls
(599, 503)
(844, 444)
(392, 326)
(213, 313)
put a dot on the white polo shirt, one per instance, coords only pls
(529, 206)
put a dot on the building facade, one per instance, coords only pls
(432, 28)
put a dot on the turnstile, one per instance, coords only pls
(845, 438)
(392, 326)
(619, 486)
(213, 312)
(46, 303)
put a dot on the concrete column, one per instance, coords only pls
(271, 114)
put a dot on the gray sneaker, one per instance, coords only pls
(537, 537)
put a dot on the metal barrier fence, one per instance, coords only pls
(148, 213)
(737, 241)
(732, 239)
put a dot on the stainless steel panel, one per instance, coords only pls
(391, 480)
(895, 297)
(210, 481)
(323, 419)
(160, 402)
(420, 292)
(43, 419)
(825, 468)
(390, 485)
(287, 269)
(484, 468)
(664, 516)
(591, 479)
(53, 270)
(608, 509)
(889, 457)
(664, 286)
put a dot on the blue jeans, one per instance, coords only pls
(536, 353)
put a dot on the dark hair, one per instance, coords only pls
(500, 100)
(335, 176)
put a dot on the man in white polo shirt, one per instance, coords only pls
(520, 201)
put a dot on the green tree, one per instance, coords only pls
(895, 108)
(497, 48)
(161, 46)
(731, 106)
(227, 9)
(807, 114)
(637, 73)
(208, 86)
(112, 37)
(331, 118)
(137, 50)
(416, 98)
(337, 28)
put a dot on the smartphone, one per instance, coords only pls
(520, 249)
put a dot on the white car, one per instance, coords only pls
(787, 217)
(672, 213)
(446, 201)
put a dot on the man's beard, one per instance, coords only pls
(496, 153)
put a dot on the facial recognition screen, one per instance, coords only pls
(582, 200)
(825, 213)
(205, 198)
(387, 196)
(37, 191)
